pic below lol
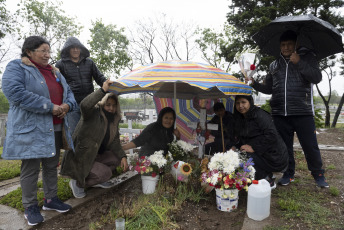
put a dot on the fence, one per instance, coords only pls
(3, 119)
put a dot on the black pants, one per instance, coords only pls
(262, 168)
(304, 127)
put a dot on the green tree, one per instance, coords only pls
(109, 47)
(48, 20)
(4, 105)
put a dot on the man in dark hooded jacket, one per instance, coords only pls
(79, 71)
(290, 82)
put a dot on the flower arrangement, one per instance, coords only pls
(181, 171)
(229, 170)
(180, 150)
(148, 165)
(248, 61)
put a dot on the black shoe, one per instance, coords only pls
(57, 205)
(321, 180)
(285, 180)
(33, 215)
(271, 181)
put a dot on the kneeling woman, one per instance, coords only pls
(256, 135)
(97, 145)
(157, 135)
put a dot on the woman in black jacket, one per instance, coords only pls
(256, 135)
(157, 135)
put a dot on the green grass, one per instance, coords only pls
(307, 206)
(1, 148)
(9, 169)
(152, 211)
(14, 198)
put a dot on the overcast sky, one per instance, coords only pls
(205, 13)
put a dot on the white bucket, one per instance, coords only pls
(227, 199)
(149, 184)
(258, 200)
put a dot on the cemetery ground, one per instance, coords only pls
(300, 205)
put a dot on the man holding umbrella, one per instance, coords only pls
(290, 82)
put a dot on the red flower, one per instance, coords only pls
(252, 67)
(176, 165)
(137, 169)
(143, 157)
(153, 174)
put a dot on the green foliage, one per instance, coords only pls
(14, 198)
(334, 191)
(109, 47)
(4, 105)
(47, 19)
(137, 103)
(318, 119)
(134, 125)
(266, 106)
(9, 169)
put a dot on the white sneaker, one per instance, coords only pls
(77, 191)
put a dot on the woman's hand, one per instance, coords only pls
(106, 85)
(176, 133)
(247, 148)
(124, 164)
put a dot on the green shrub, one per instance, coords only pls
(266, 106)
(9, 169)
(134, 125)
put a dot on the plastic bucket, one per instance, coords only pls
(258, 200)
(149, 184)
(227, 199)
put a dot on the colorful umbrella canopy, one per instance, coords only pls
(189, 111)
(182, 80)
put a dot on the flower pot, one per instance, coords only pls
(149, 184)
(227, 199)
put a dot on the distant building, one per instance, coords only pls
(260, 99)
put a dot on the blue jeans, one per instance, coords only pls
(304, 127)
(73, 119)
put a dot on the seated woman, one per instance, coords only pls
(157, 135)
(256, 135)
(97, 146)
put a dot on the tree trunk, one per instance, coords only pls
(335, 118)
(327, 115)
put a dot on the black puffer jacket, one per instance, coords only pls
(258, 130)
(79, 75)
(291, 85)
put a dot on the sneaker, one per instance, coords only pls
(321, 181)
(56, 204)
(33, 215)
(285, 180)
(77, 191)
(271, 181)
(107, 184)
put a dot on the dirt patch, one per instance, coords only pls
(204, 215)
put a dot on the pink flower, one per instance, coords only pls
(137, 168)
(180, 178)
(143, 169)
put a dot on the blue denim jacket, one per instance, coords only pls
(30, 129)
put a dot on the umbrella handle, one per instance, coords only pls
(223, 140)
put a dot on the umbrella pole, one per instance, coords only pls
(223, 140)
(174, 101)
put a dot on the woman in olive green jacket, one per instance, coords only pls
(97, 145)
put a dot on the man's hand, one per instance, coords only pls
(57, 110)
(106, 85)
(176, 133)
(124, 164)
(294, 58)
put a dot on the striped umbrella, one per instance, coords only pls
(189, 111)
(182, 80)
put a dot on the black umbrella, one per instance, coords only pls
(313, 33)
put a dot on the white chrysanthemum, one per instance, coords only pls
(158, 158)
(253, 171)
(226, 162)
(214, 178)
(185, 146)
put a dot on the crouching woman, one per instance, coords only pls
(256, 135)
(97, 145)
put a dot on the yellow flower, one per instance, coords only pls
(186, 169)
(249, 180)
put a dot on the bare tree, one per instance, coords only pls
(161, 39)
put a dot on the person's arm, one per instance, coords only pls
(97, 75)
(128, 146)
(309, 68)
(265, 87)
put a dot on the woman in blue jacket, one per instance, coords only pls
(39, 99)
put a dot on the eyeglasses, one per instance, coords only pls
(44, 51)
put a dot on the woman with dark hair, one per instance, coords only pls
(37, 128)
(97, 146)
(256, 135)
(157, 135)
